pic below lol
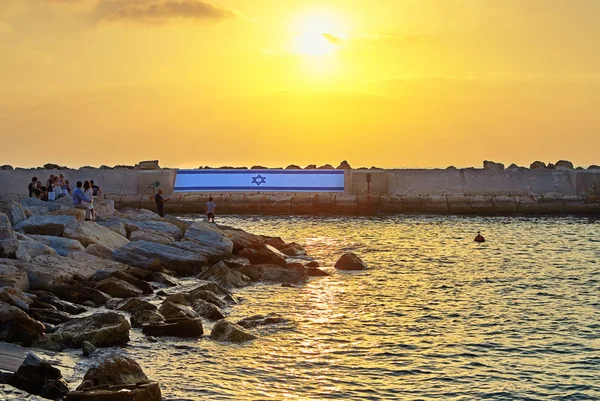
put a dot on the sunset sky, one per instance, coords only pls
(392, 83)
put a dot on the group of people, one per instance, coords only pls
(58, 187)
(160, 206)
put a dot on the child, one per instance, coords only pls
(210, 210)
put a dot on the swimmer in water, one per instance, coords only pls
(479, 237)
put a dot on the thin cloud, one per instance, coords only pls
(160, 11)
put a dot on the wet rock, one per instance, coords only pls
(114, 370)
(224, 276)
(88, 348)
(209, 240)
(49, 315)
(59, 304)
(147, 165)
(186, 328)
(141, 317)
(488, 165)
(235, 261)
(118, 288)
(8, 240)
(15, 297)
(156, 257)
(313, 263)
(164, 279)
(264, 255)
(293, 249)
(212, 287)
(131, 305)
(179, 299)
(40, 378)
(564, 164)
(207, 310)
(145, 286)
(13, 210)
(47, 225)
(241, 239)
(62, 246)
(262, 320)
(13, 273)
(17, 327)
(101, 329)
(344, 166)
(349, 261)
(173, 311)
(253, 272)
(80, 294)
(288, 275)
(226, 331)
(206, 295)
(316, 272)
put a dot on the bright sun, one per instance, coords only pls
(317, 35)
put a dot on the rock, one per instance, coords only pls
(29, 248)
(212, 242)
(153, 256)
(253, 272)
(488, 165)
(226, 331)
(241, 239)
(550, 166)
(115, 225)
(186, 328)
(287, 275)
(141, 284)
(564, 164)
(293, 249)
(143, 316)
(13, 274)
(160, 230)
(17, 327)
(313, 263)
(99, 251)
(212, 287)
(179, 299)
(150, 236)
(89, 233)
(59, 304)
(235, 261)
(316, 272)
(14, 297)
(138, 214)
(293, 167)
(114, 370)
(164, 279)
(513, 166)
(147, 165)
(80, 294)
(173, 311)
(265, 254)
(104, 208)
(275, 242)
(118, 288)
(344, 166)
(537, 165)
(208, 310)
(349, 261)
(311, 167)
(47, 225)
(40, 378)
(13, 210)
(35, 203)
(206, 295)
(132, 305)
(593, 167)
(51, 316)
(101, 329)
(62, 246)
(326, 167)
(8, 240)
(88, 348)
(262, 320)
(224, 276)
(79, 214)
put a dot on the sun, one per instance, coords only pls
(317, 35)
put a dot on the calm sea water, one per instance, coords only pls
(436, 316)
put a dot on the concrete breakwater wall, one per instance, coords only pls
(366, 192)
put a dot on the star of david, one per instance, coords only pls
(259, 179)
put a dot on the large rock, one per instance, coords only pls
(156, 257)
(145, 286)
(14, 274)
(47, 225)
(104, 208)
(182, 225)
(51, 316)
(488, 165)
(205, 295)
(292, 249)
(262, 320)
(79, 214)
(61, 305)
(8, 240)
(89, 233)
(241, 239)
(564, 164)
(16, 297)
(49, 206)
(152, 229)
(212, 287)
(115, 225)
(40, 378)
(138, 214)
(101, 329)
(211, 242)
(118, 288)
(285, 275)
(349, 261)
(130, 305)
(13, 210)
(143, 316)
(226, 331)
(150, 236)
(17, 327)
(114, 370)
(253, 272)
(186, 328)
(30, 248)
(208, 310)
(224, 276)
(62, 246)
(46, 271)
(80, 294)
(175, 311)
(266, 254)
(537, 165)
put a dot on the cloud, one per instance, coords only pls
(160, 11)
(6, 29)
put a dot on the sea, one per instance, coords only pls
(435, 315)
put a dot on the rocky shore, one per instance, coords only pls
(67, 283)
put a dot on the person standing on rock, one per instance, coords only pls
(210, 210)
(160, 202)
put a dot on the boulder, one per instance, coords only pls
(150, 236)
(266, 254)
(115, 225)
(61, 305)
(164, 279)
(224, 276)
(15, 297)
(241, 239)
(13, 210)
(349, 261)
(130, 305)
(104, 208)
(286, 275)
(313, 263)
(593, 167)
(344, 166)
(138, 214)
(13, 274)
(62, 246)
(46, 271)
(99, 251)
(145, 286)
(212, 287)
(153, 256)
(114, 370)
(40, 378)
(235, 261)
(17, 327)
(179, 298)
(186, 328)
(253, 272)
(211, 242)
(80, 294)
(315, 272)
(89, 233)
(564, 164)
(292, 249)
(35, 211)
(29, 248)
(182, 225)
(118, 288)
(262, 320)
(38, 203)
(153, 229)
(88, 348)
(293, 167)
(206, 295)
(488, 165)
(173, 311)
(141, 317)
(51, 316)
(101, 329)
(207, 310)
(275, 242)
(47, 225)
(79, 214)
(8, 240)
(226, 331)
(147, 165)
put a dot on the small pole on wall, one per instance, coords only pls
(368, 177)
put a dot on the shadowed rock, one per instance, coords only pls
(62, 246)
(173, 311)
(208, 310)
(118, 288)
(224, 276)
(155, 256)
(262, 320)
(349, 261)
(101, 329)
(13, 274)
(47, 225)
(13, 210)
(17, 327)
(189, 328)
(141, 317)
(8, 240)
(209, 240)
(40, 378)
(287, 275)
(266, 254)
(226, 331)
(114, 370)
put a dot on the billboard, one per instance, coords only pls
(259, 181)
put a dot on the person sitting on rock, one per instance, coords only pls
(160, 202)
(88, 192)
(40, 191)
(80, 201)
(95, 189)
(210, 210)
(63, 185)
(33, 187)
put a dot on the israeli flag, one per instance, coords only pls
(259, 181)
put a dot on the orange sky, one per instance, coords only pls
(392, 83)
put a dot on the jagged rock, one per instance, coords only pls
(537, 165)
(13, 274)
(141, 317)
(488, 165)
(206, 295)
(293, 167)
(226, 331)
(14, 297)
(13, 210)
(311, 167)
(147, 165)
(46, 225)
(349, 261)
(253, 272)
(315, 272)
(264, 255)
(344, 166)
(224, 276)
(79, 214)
(313, 263)
(88, 348)
(235, 261)
(118, 288)
(128, 213)
(51, 316)
(101, 329)
(208, 310)
(173, 311)
(59, 304)
(164, 279)
(211, 242)
(8, 240)
(89, 233)
(62, 246)
(564, 164)
(326, 167)
(288, 275)
(40, 378)
(292, 249)
(189, 328)
(114, 370)
(262, 320)
(115, 225)
(17, 327)
(241, 239)
(150, 236)
(178, 298)
(30, 248)
(80, 294)
(153, 256)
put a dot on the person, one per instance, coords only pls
(95, 189)
(479, 237)
(68, 187)
(160, 202)
(40, 191)
(210, 210)
(79, 198)
(50, 188)
(33, 187)
(88, 192)
(57, 189)
(62, 182)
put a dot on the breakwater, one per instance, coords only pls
(366, 192)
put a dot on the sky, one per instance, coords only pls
(390, 83)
